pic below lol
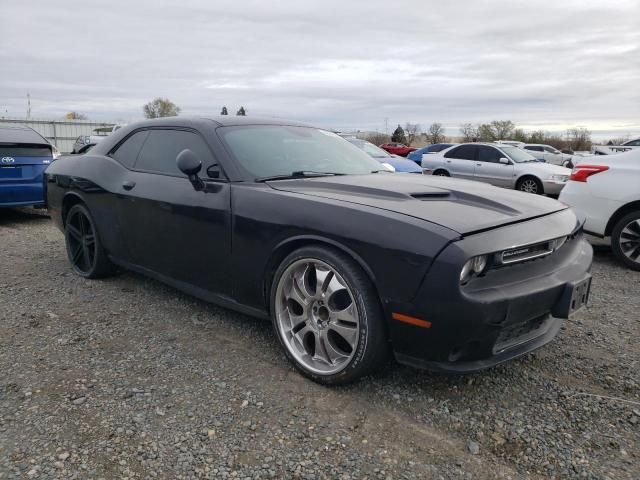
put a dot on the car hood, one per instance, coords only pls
(463, 206)
(543, 168)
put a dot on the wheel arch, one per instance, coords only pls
(289, 245)
(70, 199)
(441, 169)
(529, 175)
(618, 214)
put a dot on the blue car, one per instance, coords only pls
(24, 156)
(402, 165)
(416, 155)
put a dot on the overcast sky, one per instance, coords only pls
(341, 64)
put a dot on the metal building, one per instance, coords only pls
(61, 133)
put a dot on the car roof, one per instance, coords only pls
(220, 120)
(20, 134)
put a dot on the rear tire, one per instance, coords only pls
(441, 173)
(327, 316)
(530, 185)
(625, 240)
(84, 248)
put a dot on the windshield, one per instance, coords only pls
(517, 155)
(551, 150)
(269, 150)
(369, 148)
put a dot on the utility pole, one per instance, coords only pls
(386, 125)
(28, 106)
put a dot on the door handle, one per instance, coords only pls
(128, 184)
(448, 161)
(478, 164)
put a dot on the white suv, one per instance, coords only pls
(606, 190)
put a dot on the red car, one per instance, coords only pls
(397, 148)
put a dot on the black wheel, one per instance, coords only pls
(327, 316)
(441, 173)
(625, 240)
(530, 185)
(84, 249)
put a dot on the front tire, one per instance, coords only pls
(84, 248)
(441, 173)
(530, 185)
(327, 316)
(625, 240)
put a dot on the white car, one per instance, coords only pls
(614, 149)
(498, 164)
(547, 153)
(606, 190)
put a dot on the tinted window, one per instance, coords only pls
(464, 152)
(163, 146)
(24, 151)
(534, 148)
(128, 151)
(488, 154)
(438, 148)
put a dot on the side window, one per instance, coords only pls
(535, 148)
(633, 143)
(128, 151)
(463, 152)
(488, 154)
(163, 146)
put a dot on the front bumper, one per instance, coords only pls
(506, 313)
(553, 187)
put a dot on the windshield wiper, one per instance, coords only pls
(298, 174)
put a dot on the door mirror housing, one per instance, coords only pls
(189, 164)
(504, 161)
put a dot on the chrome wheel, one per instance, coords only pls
(317, 316)
(529, 185)
(629, 240)
(81, 240)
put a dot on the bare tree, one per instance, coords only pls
(75, 116)
(579, 138)
(411, 131)
(485, 133)
(502, 129)
(469, 132)
(435, 133)
(160, 107)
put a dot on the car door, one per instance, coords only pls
(170, 228)
(460, 161)
(490, 170)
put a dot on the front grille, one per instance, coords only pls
(518, 333)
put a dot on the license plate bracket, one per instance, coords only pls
(573, 299)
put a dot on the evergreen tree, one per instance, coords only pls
(241, 112)
(224, 111)
(398, 135)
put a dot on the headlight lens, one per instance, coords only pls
(473, 266)
(559, 178)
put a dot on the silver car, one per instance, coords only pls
(547, 153)
(498, 164)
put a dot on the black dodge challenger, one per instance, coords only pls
(351, 263)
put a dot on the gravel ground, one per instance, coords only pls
(127, 378)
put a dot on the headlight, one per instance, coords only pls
(473, 266)
(388, 166)
(559, 178)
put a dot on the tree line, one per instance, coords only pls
(578, 138)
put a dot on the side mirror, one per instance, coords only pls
(504, 161)
(189, 164)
